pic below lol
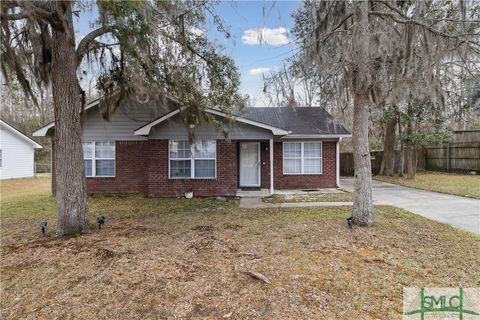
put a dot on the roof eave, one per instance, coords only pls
(275, 130)
(145, 129)
(35, 144)
(317, 136)
(43, 131)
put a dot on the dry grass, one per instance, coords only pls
(18, 188)
(315, 197)
(456, 184)
(182, 259)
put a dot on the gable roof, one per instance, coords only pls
(288, 122)
(299, 121)
(145, 129)
(20, 134)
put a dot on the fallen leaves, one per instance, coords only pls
(164, 258)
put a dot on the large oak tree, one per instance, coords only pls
(140, 48)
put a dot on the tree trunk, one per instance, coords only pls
(362, 205)
(402, 149)
(71, 192)
(410, 160)
(388, 159)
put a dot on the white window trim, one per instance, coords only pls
(302, 159)
(192, 163)
(93, 158)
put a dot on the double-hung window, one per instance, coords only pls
(190, 161)
(302, 158)
(99, 158)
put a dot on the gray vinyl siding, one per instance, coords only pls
(127, 119)
(174, 128)
(121, 125)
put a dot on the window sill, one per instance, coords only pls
(100, 177)
(179, 178)
(303, 174)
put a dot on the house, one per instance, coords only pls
(16, 153)
(146, 149)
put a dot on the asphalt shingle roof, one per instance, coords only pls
(298, 120)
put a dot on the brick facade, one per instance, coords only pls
(159, 185)
(142, 166)
(130, 174)
(327, 179)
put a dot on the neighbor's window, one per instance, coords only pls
(99, 158)
(192, 161)
(302, 157)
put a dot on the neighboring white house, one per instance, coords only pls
(16, 153)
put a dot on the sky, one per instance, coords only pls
(259, 43)
(249, 22)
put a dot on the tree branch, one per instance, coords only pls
(30, 9)
(84, 44)
(418, 23)
(16, 16)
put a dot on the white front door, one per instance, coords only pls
(249, 164)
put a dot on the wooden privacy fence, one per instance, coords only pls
(451, 157)
(460, 155)
(454, 156)
(347, 168)
(346, 163)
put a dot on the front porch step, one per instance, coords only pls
(253, 193)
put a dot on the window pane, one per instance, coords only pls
(179, 149)
(88, 167)
(205, 149)
(105, 150)
(104, 168)
(180, 168)
(204, 168)
(312, 150)
(292, 150)
(312, 165)
(87, 150)
(292, 166)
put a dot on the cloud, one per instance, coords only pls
(271, 37)
(258, 71)
(197, 31)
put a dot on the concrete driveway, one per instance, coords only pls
(463, 213)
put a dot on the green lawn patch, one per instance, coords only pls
(457, 184)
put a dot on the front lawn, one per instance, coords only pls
(185, 258)
(18, 188)
(457, 184)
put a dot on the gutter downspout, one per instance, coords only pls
(337, 166)
(271, 166)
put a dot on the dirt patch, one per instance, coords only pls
(313, 197)
(171, 261)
